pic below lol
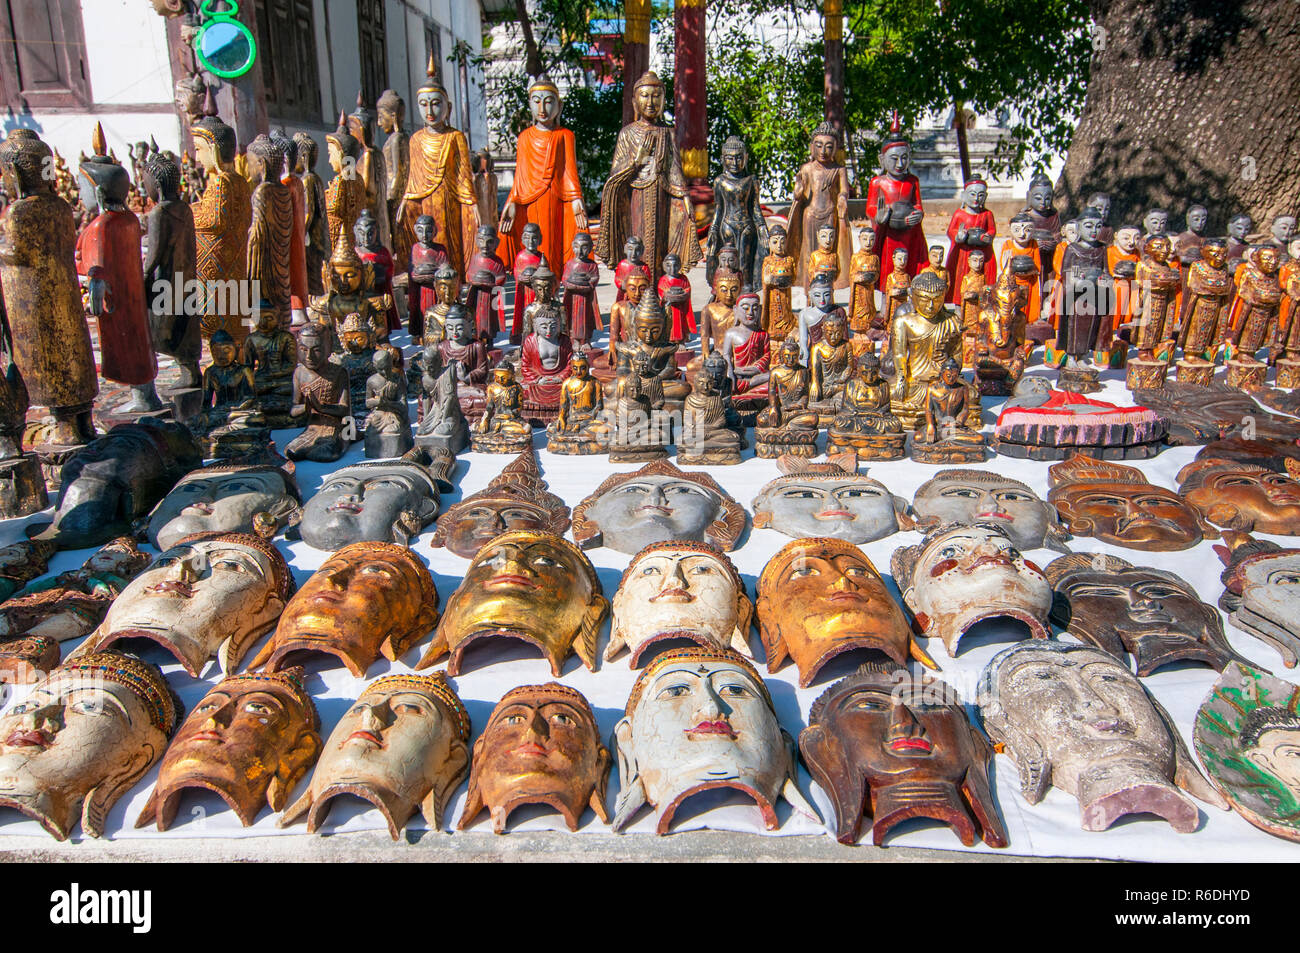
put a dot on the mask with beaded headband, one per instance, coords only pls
(819, 598)
(402, 746)
(82, 738)
(212, 594)
(698, 719)
(250, 740)
(541, 746)
(680, 589)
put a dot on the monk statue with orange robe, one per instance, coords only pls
(546, 191)
(439, 181)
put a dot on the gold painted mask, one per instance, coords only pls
(541, 746)
(250, 741)
(82, 738)
(527, 585)
(368, 599)
(403, 746)
(819, 598)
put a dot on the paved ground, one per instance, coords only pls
(471, 847)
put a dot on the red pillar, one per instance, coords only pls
(690, 100)
(636, 49)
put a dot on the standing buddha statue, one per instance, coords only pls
(316, 224)
(645, 193)
(371, 169)
(439, 181)
(221, 220)
(546, 191)
(270, 236)
(346, 195)
(391, 109)
(820, 198)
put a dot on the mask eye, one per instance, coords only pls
(650, 571)
(675, 691)
(515, 719)
(560, 719)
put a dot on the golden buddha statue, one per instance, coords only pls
(346, 195)
(651, 329)
(787, 425)
(865, 423)
(579, 427)
(439, 182)
(923, 336)
(350, 282)
(502, 428)
(830, 363)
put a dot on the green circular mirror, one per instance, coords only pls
(226, 48)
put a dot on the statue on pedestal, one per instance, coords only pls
(109, 255)
(579, 426)
(737, 218)
(170, 253)
(321, 399)
(388, 426)
(38, 274)
(787, 425)
(894, 206)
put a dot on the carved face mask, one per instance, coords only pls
(535, 587)
(659, 502)
(680, 590)
(1241, 496)
(403, 746)
(965, 497)
(1124, 609)
(516, 499)
(891, 747)
(214, 594)
(964, 575)
(819, 598)
(1248, 736)
(82, 738)
(223, 499)
(387, 501)
(368, 599)
(250, 741)
(1115, 504)
(699, 719)
(829, 499)
(1076, 717)
(1262, 592)
(541, 746)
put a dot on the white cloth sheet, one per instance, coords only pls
(1050, 828)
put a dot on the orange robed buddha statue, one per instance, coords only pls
(439, 182)
(645, 194)
(221, 220)
(546, 191)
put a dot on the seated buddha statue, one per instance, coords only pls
(502, 427)
(1000, 351)
(709, 434)
(358, 359)
(544, 356)
(579, 425)
(651, 327)
(271, 353)
(787, 425)
(639, 432)
(923, 335)
(951, 429)
(864, 422)
(470, 355)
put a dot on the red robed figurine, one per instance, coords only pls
(483, 263)
(380, 259)
(581, 274)
(427, 256)
(632, 252)
(971, 228)
(675, 291)
(109, 254)
(526, 262)
(894, 206)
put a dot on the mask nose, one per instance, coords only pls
(903, 723)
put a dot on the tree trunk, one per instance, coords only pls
(1190, 101)
(532, 56)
